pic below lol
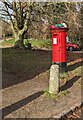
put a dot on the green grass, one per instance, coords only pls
(39, 43)
(31, 62)
(55, 96)
(34, 43)
(25, 62)
(78, 71)
(8, 42)
(63, 75)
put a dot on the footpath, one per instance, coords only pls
(26, 101)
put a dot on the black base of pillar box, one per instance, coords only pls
(62, 66)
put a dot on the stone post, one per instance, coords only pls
(54, 79)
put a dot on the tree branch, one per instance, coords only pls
(8, 4)
(5, 21)
(27, 18)
(8, 13)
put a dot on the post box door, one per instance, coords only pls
(62, 41)
(55, 48)
(59, 47)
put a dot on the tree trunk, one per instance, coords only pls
(19, 42)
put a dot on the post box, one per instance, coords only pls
(59, 46)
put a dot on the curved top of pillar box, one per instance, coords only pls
(53, 28)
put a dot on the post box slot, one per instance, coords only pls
(54, 34)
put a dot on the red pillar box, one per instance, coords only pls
(59, 46)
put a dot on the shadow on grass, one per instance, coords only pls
(22, 65)
(71, 56)
(74, 66)
(69, 83)
(9, 109)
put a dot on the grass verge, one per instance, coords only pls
(55, 96)
(25, 62)
(34, 43)
(8, 42)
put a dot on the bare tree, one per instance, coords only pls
(38, 17)
(25, 14)
(19, 15)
